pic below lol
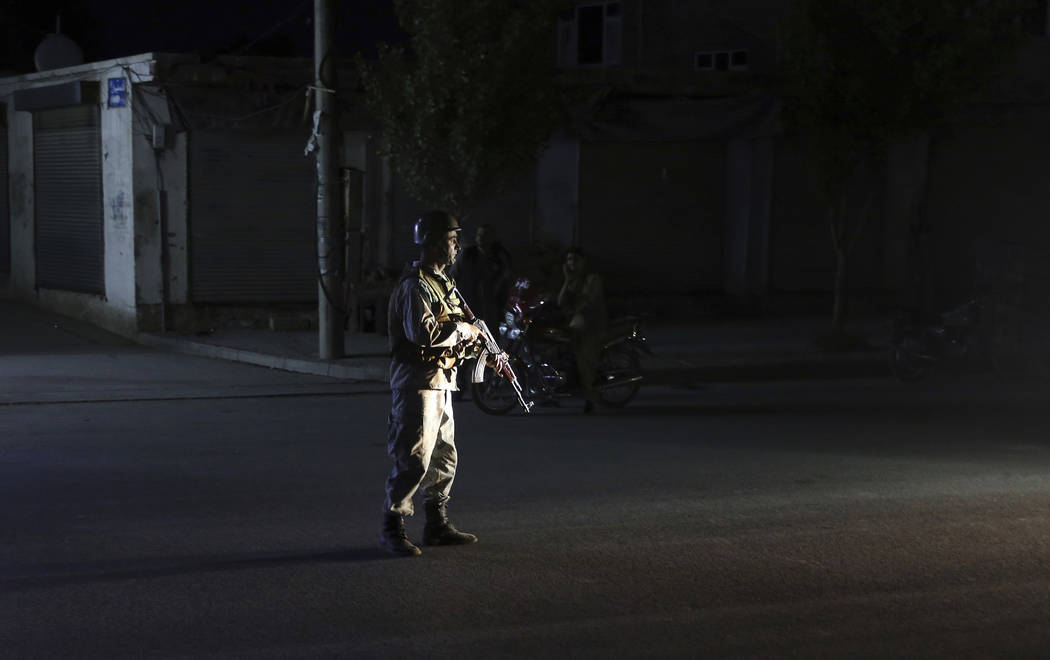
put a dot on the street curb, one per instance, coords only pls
(665, 368)
(376, 369)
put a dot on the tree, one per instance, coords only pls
(472, 99)
(865, 72)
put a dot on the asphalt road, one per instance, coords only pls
(154, 505)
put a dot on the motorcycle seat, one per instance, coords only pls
(621, 329)
(617, 331)
(556, 333)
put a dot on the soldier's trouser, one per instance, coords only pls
(588, 350)
(421, 440)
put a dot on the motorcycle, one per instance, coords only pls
(913, 350)
(539, 347)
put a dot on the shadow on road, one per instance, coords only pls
(58, 575)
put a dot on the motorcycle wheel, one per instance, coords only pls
(904, 365)
(618, 362)
(494, 394)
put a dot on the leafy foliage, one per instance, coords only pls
(865, 71)
(469, 104)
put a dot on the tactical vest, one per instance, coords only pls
(451, 310)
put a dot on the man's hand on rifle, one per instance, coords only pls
(500, 363)
(469, 332)
(493, 357)
(493, 361)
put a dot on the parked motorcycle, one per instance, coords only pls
(914, 349)
(540, 349)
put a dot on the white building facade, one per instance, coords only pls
(155, 192)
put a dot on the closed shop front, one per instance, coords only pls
(252, 220)
(651, 213)
(5, 215)
(68, 199)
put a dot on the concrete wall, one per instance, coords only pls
(117, 309)
(118, 211)
(674, 30)
(5, 222)
(652, 214)
(556, 220)
(665, 35)
(748, 209)
(20, 201)
(160, 205)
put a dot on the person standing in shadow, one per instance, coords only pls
(582, 300)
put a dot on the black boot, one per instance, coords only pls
(439, 531)
(393, 539)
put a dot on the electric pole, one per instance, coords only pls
(329, 234)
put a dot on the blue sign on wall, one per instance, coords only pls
(118, 92)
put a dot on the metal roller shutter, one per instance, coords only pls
(5, 215)
(252, 218)
(68, 199)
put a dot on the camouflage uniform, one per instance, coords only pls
(428, 338)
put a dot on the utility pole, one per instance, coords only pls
(329, 234)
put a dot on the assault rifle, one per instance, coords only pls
(499, 357)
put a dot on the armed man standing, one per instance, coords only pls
(429, 337)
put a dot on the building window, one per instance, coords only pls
(721, 60)
(590, 24)
(590, 35)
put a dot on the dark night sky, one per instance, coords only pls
(113, 28)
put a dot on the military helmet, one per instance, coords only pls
(433, 224)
